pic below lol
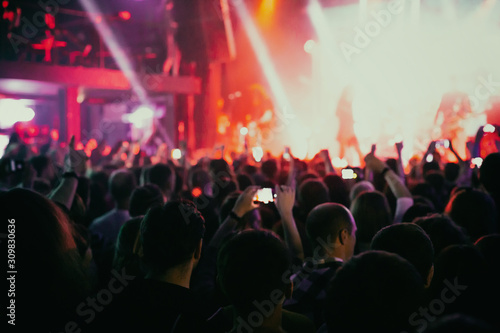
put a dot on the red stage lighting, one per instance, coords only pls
(54, 134)
(5, 4)
(124, 15)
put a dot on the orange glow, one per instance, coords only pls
(79, 146)
(266, 11)
(98, 19)
(220, 103)
(54, 134)
(137, 149)
(124, 156)
(91, 145)
(106, 151)
(125, 15)
(196, 192)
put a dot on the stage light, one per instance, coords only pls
(476, 161)
(243, 131)
(196, 192)
(429, 158)
(13, 111)
(141, 117)
(54, 134)
(237, 94)
(5, 4)
(309, 46)
(124, 15)
(488, 128)
(116, 50)
(263, 57)
(176, 154)
(257, 153)
(106, 151)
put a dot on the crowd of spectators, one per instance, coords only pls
(152, 244)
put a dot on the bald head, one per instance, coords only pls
(325, 225)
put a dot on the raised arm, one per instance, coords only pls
(74, 166)
(284, 203)
(243, 205)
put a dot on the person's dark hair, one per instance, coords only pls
(463, 266)
(451, 171)
(442, 231)
(121, 184)
(489, 246)
(163, 176)
(143, 198)
(251, 267)
(475, 211)
(270, 168)
(489, 174)
(337, 189)
(312, 192)
(170, 235)
(459, 323)
(244, 181)
(129, 248)
(430, 166)
(410, 242)
(325, 222)
(375, 291)
(251, 218)
(427, 191)
(44, 243)
(371, 212)
(199, 178)
(416, 211)
(358, 188)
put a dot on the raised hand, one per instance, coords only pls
(245, 203)
(285, 199)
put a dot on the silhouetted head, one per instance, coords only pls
(171, 235)
(489, 173)
(143, 198)
(253, 267)
(442, 231)
(337, 189)
(362, 186)
(371, 212)
(163, 176)
(475, 211)
(375, 291)
(312, 192)
(410, 242)
(121, 185)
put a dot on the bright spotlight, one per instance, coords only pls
(477, 161)
(12, 111)
(429, 158)
(243, 131)
(141, 117)
(176, 154)
(263, 56)
(257, 153)
(488, 128)
(309, 46)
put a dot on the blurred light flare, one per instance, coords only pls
(176, 154)
(488, 128)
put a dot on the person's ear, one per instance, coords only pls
(343, 235)
(197, 251)
(289, 290)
